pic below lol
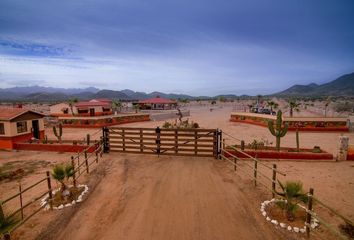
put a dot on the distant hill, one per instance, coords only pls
(342, 86)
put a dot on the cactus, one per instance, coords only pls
(297, 141)
(279, 131)
(60, 133)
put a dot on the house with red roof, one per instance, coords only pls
(157, 103)
(92, 108)
(19, 125)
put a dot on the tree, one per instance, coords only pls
(328, 101)
(116, 104)
(293, 194)
(293, 105)
(279, 131)
(62, 173)
(272, 105)
(71, 102)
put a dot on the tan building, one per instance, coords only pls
(19, 125)
(94, 107)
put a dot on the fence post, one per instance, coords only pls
(21, 202)
(220, 143)
(255, 172)
(158, 140)
(88, 139)
(74, 173)
(242, 145)
(141, 140)
(86, 162)
(96, 153)
(105, 132)
(274, 179)
(50, 199)
(308, 215)
(78, 161)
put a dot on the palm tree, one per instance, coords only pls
(7, 223)
(71, 102)
(272, 105)
(115, 105)
(328, 101)
(293, 194)
(62, 173)
(293, 105)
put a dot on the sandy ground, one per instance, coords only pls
(167, 198)
(145, 197)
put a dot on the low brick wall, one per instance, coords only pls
(267, 154)
(302, 124)
(103, 121)
(52, 147)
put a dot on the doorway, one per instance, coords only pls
(35, 129)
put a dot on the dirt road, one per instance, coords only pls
(146, 197)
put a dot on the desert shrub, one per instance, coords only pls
(344, 107)
(347, 229)
(167, 125)
(316, 149)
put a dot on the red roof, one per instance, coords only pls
(92, 104)
(157, 100)
(10, 113)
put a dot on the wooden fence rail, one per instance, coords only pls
(234, 160)
(94, 156)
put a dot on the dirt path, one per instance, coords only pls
(145, 197)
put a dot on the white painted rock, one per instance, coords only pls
(296, 229)
(289, 228)
(303, 230)
(73, 202)
(275, 222)
(268, 219)
(264, 213)
(283, 225)
(79, 200)
(61, 207)
(68, 205)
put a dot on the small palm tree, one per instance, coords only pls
(293, 194)
(7, 223)
(272, 105)
(294, 106)
(116, 104)
(62, 173)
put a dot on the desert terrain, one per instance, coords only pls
(150, 197)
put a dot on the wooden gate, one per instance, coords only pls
(182, 142)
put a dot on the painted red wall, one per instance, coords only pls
(8, 142)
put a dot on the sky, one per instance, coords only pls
(199, 47)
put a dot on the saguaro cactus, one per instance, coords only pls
(59, 133)
(279, 131)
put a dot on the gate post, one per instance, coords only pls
(105, 132)
(219, 143)
(158, 140)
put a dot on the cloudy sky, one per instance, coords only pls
(199, 47)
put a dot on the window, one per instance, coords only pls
(21, 127)
(2, 129)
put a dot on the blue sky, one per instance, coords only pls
(195, 47)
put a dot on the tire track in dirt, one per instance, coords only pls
(146, 197)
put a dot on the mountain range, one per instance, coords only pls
(342, 86)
